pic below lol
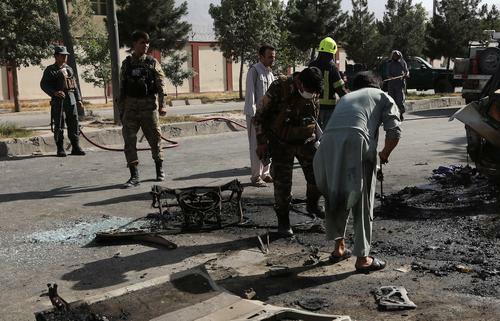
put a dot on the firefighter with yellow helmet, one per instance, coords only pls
(332, 81)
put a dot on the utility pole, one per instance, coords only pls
(62, 10)
(115, 56)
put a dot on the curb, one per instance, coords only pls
(434, 103)
(113, 136)
(108, 136)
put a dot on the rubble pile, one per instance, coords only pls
(452, 190)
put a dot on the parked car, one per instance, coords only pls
(477, 69)
(424, 77)
(482, 126)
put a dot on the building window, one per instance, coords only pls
(99, 7)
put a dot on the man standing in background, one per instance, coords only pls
(332, 81)
(259, 78)
(59, 83)
(397, 71)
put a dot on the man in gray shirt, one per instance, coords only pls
(345, 165)
(259, 78)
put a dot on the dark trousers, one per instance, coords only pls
(282, 171)
(325, 112)
(63, 111)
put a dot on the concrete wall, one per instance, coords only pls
(187, 85)
(212, 70)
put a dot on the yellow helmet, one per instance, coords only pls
(328, 45)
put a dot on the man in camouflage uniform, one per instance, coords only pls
(59, 83)
(285, 125)
(142, 84)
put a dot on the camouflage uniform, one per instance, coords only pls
(138, 106)
(287, 125)
(61, 78)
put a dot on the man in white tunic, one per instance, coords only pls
(345, 165)
(259, 78)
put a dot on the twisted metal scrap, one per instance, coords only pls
(200, 207)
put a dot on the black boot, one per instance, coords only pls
(313, 196)
(134, 177)
(284, 228)
(76, 149)
(60, 149)
(160, 174)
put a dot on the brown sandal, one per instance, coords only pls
(336, 259)
(376, 265)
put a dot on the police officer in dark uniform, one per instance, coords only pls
(58, 81)
(141, 102)
(285, 125)
(332, 80)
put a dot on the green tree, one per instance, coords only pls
(93, 47)
(446, 35)
(27, 29)
(175, 71)
(313, 20)
(403, 27)
(241, 27)
(287, 56)
(362, 43)
(161, 19)
(490, 19)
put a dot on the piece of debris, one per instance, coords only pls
(313, 304)
(452, 190)
(186, 209)
(404, 269)
(464, 269)
(264, 247)
(393, 298)
(249, 294)
(199, 207)
(278, 270)
(314, 257)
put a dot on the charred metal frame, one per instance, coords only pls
(201, 206)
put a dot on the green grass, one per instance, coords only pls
(8, 130)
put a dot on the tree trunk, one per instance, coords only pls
(105, 93)
(241, 77)
(176, 92)
(448, 64)
(17, 105)
(313, 54)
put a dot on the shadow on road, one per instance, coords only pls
(112, 271)
(58, 192)
(18, 158)
(217, 174)
(457, 149)
(266, 287)
(145, 196)
(443, 112)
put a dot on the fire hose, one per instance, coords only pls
(171, 142)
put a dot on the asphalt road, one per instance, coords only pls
(41, 119)
(50, 207)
